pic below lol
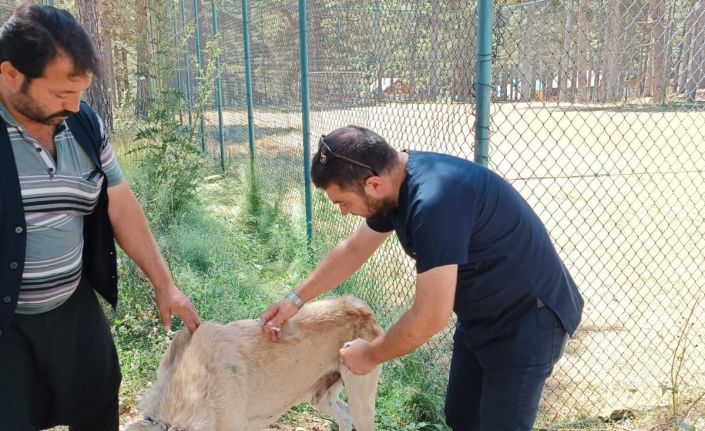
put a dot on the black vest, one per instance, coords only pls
(99, 259)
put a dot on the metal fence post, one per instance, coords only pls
(199, 65)
(484, 81)
(218, 87)
(303, 54)
(248, 82)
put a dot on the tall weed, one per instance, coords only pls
(170, 163)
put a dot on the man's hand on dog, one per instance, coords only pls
(357, 356)
(170, 300)
(275, 317)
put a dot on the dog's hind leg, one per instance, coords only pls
(327, 400)
(361, 391)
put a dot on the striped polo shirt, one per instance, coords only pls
(56, 194)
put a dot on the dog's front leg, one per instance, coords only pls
(330, 403)
(238, 423)
(233, 420)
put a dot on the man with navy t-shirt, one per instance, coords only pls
(480, 251)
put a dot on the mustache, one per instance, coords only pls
(63, 113)
(51, 120)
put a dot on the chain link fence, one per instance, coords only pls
(596, 118)
(597, 123)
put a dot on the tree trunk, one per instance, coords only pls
(527, 55)
(656, 73)
(583, 63)
(125, 73)
(434, 54)
(379, 44)
(463, 64)
(122, 75)
(565, 58)
(109, 24)
(109, 71)
(98, 94)
(574, 87)
(143, 40)
(119, 88)
(696, 78)
(684, 50)
(631, 56)
(644, 67)
(614, 53)
(413, 55)
(503, 96)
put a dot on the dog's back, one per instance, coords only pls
(229, 377)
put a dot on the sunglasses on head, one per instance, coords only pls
(325, 153)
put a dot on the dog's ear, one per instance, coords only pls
(175, 351)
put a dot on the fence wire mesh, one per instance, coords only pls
(596, 119)
(597, 124)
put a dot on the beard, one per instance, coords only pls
(379, 207)
(25, 105)
(31, 111)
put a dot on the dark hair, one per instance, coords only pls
(34, 35)
(358, 144)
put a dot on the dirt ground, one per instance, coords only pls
(301, 424)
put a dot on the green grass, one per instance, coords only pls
(230, 256)
(229, 272)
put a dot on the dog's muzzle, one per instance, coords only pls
(163, 426)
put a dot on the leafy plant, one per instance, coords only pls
(170, 162)
(677, 361)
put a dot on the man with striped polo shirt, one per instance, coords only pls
(63, 201)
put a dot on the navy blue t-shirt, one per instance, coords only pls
(453, 211)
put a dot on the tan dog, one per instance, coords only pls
(231, 378)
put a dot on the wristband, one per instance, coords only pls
(291, 296)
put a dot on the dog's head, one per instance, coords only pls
(177, 401)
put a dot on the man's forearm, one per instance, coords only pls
(334, 269)
(433, 306)
(341, 262)
(134, 237)
(408, 334)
